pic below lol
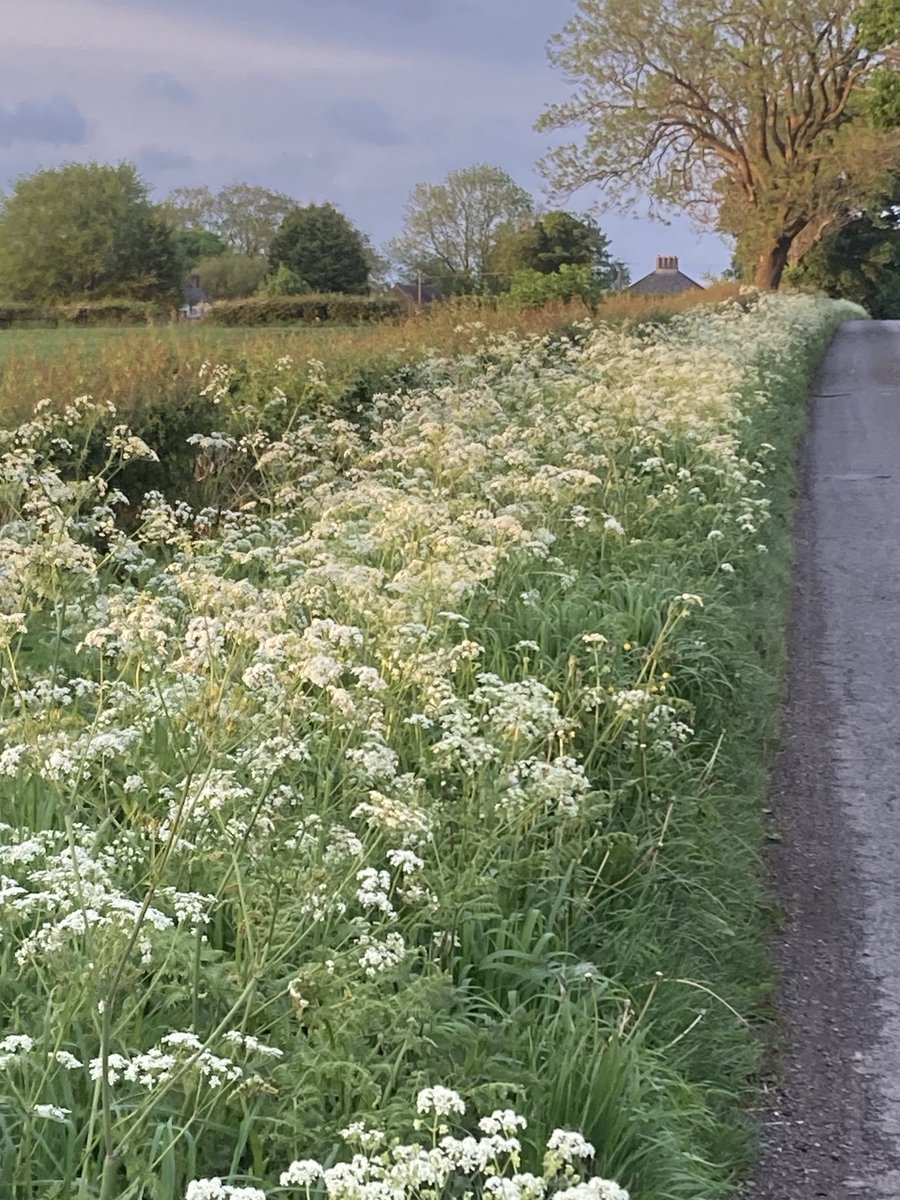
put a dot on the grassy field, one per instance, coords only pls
(135, 366)
(45, 345)
(191, 339)
(415, 776)
(128, 364)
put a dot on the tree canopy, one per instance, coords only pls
(861, 260)
(451, 228)
(195, 244)
(231, 276)
(85, 230)
(321, 246)
(759, 116)
(554, 240)
(243, 215)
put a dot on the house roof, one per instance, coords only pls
(666, 280)
(194, 294)
(429, 292)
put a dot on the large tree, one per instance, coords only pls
(243, 215)
(85, 230)
(753, 114)
(451, 228)
(320, 245)
(191, 208)
(554, 240)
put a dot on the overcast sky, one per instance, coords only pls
(352, 101)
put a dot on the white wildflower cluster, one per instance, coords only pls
(441, 1101)
(182, 1054)
(462, 745)
(569, 1145)
(15, 1046)
(373, 891)
(502, 1121)
(651, 720)
(217, 379)
(123, 443)
(525, 710)
(395, 816)
(376, 761)
(59, 896)
(251, 1045)
(554, 787)
(380, 955)
(448, 1166)
(215, 1189)
(52, 1112)
(319, 902)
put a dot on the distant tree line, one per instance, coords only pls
(91, 231)
(777, 123)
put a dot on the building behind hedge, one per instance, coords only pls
(666, 280)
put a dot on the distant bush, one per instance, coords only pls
(231, 276)
(568, 283)
(309, 309)
(283, 282)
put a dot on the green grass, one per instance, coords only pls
(45, 345)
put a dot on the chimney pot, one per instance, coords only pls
(666, 262)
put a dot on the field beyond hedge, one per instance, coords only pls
(142, 369)
(410, 773)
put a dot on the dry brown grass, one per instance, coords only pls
(140, 366)
(624, 306)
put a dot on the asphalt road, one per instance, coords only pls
(833, 1126)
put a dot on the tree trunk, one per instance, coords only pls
(771, 264)
(814, 232)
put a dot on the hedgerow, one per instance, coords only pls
(307, 308)
(81, 312)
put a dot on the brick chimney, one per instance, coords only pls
(666, 262)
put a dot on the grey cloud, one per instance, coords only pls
(56, 122)
(427, 86)
(364, 121)
(164, 86)
(510, 31)
(153, 158)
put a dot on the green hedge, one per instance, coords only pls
(310, 309)
(109, 312)
(167, 418)
(16, 314)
